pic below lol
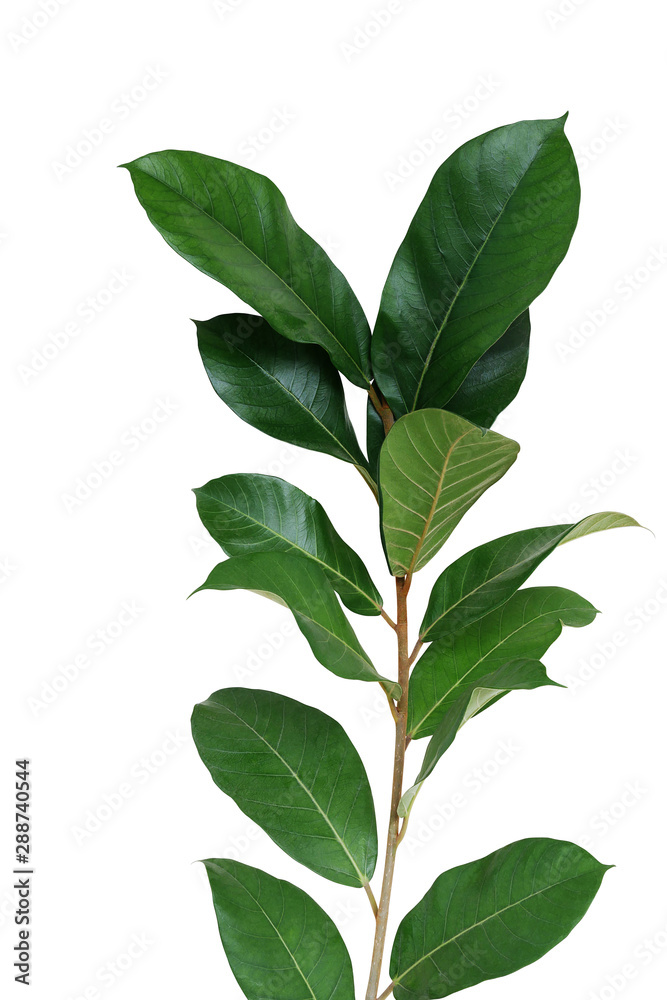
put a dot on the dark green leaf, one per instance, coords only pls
(292, 770)
(494, 380)
(278, 941)
(492, 917)
(302, 586)
(254, 513)
(374, 439)
(495, 224)
(524, 627)
(434, 465)
(474, 696)
(487, 576)
(289, 391)
(234, 225)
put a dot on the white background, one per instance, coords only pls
(587, 765)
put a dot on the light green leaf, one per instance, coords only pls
(495, 224)
(493, 381)
(522, 628)
(434, 465)
(302, 586)
(492, 917)
(278, 941)
(474, 696)
(487, 576)
(255, 513)
(289, 391)
(234, 225)
(294, 771)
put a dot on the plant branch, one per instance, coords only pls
(402, 587)
(415, 652)
(387, 992)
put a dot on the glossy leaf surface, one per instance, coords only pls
(248, 513)
(294, 771)
(487, 576)
(234, 225)
(493, 381)
(492, 917)
(304, 588)
(290, 391)
(278, 941)
(434, 465)
(524, 627)
(493, 227)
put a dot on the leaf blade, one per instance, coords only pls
(278, 941)
(492, 917)
(303, 587)
(248, 513)
(524, 627)
(301, 394)
(273, 756)
(234, 225)
(488, 575)
(467, 267)
(434, 465)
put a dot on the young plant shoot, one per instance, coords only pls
(447, 354)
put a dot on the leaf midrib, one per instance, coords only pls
(262, 262)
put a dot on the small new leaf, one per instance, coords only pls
(434, 465)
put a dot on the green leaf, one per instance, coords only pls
(255, 513)
(524, 627)
(278, 941)
(434, 465)
(494, 380)
(492, 917)
(474, 696)
(289, 391)
(487, 576)
(234, 225)
(292, 770)
(374, 439)
(302, 586)
(493, 227)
